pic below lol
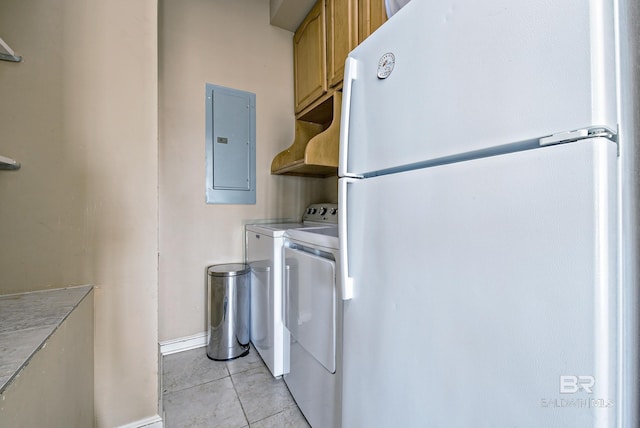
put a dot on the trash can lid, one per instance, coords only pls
(230, 269)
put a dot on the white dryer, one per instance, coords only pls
(313, 315)
(264, 253)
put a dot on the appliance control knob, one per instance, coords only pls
(312, 210)
(323, 211)
(334, 211)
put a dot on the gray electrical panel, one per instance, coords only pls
(230, 146)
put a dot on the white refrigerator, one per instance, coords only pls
(481, 219)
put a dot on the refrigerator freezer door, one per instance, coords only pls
(490, 299)
(462, 78)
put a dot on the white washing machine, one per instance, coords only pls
(264, 251)
(313, 316)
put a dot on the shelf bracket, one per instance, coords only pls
(7, 54)
(9, 164)
(12, 58)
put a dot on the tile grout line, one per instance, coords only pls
(194, 386)
(226, 367)
(276, 413)
(242, 370)
(246, 418)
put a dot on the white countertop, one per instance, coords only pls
(27, 320)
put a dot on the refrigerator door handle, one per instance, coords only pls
(345, 280)
(350, 70)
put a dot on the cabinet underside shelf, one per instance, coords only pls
(314, 152)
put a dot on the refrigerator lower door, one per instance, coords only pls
(484, 292)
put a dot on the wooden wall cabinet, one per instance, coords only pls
(371, 15)
(321, 45)
(309, 58)
(342, 36)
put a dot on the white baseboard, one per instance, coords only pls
(183, 344)
(152, 422)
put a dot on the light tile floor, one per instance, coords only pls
(199, 392)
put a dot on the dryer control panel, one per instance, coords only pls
(321, 213)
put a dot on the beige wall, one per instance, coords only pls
(227, 43)
(42, 209)
(80, 114)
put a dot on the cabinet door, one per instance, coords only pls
(309, 57)
(342, 35)
(371, 15)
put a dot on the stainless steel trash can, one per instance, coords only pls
(229, 308)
